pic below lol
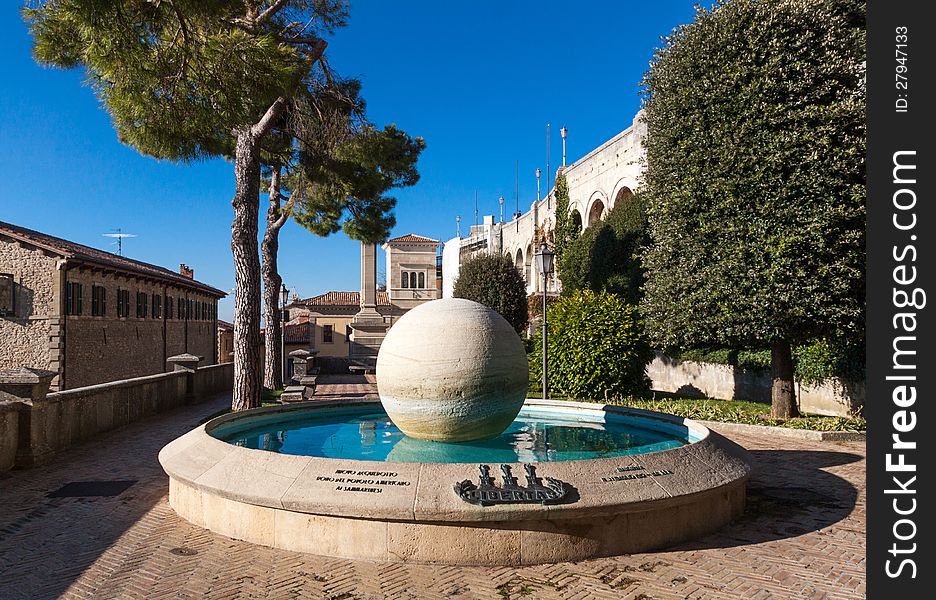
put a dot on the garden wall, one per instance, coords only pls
(31, 432)
(835, 397)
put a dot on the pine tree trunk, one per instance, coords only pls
(782, 392)
(246, 393)
(269, 247)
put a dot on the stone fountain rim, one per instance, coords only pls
(288, 482)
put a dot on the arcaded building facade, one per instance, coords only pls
(92, 316)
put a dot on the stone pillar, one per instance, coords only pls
(37, 430)
(299, 360)
(368, 327)
(368, 281)
(189, 364)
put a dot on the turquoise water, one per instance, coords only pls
(533, 437)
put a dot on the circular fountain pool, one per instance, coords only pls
(567, 481)
(537, 435)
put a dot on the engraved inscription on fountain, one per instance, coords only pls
(370, 482)
(632, 472)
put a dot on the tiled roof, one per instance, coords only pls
(342, 299)
(412, 237)
(295, 331)
(79, 253)
(222, 324)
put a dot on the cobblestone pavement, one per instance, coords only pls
(802, 536)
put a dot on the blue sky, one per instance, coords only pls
(478, 80)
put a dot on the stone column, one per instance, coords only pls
(368, 327)
(368, 281)
(26, 389)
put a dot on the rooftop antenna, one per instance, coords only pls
(458, 226)
(476, 208)
(120, 236)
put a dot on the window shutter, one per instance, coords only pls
(102, 302)
(79, 297)
(68, 298)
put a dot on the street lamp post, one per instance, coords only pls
(563, 132)
(544, 264)
(285, 295)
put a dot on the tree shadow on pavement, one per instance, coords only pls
(788, 494)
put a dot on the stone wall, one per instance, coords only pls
(27, 335)
(697, 379)
(213, 379)
(32, 433)
(112, 348)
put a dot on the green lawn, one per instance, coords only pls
(728, 411)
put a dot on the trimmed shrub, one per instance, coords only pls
(596, 347)
(494, 281)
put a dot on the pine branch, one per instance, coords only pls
(272, 10)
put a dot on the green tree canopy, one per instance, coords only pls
(606, 257)
(494, 281)
(755, 178)
(244, 79)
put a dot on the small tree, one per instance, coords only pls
(494, 281)
(566, 231)
(607, 255)
(596, 347)
(755, 145)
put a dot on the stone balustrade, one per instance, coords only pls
(35, 425)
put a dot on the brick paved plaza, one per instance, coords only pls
(803, 536)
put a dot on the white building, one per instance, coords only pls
(597, 182)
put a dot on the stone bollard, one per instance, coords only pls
(304, 372)
(299, 360)
(189, 364)
(25, 389)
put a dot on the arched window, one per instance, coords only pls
(422, 280)
(405, 279)
(412, 279)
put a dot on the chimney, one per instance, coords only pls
(186, 272)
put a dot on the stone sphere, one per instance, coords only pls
(452, 370)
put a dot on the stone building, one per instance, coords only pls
(411, 270)
(225, 341)
(352, 325)
(605, 176)
(92, 316)
(329, 318)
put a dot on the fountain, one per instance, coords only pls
(452, 466)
